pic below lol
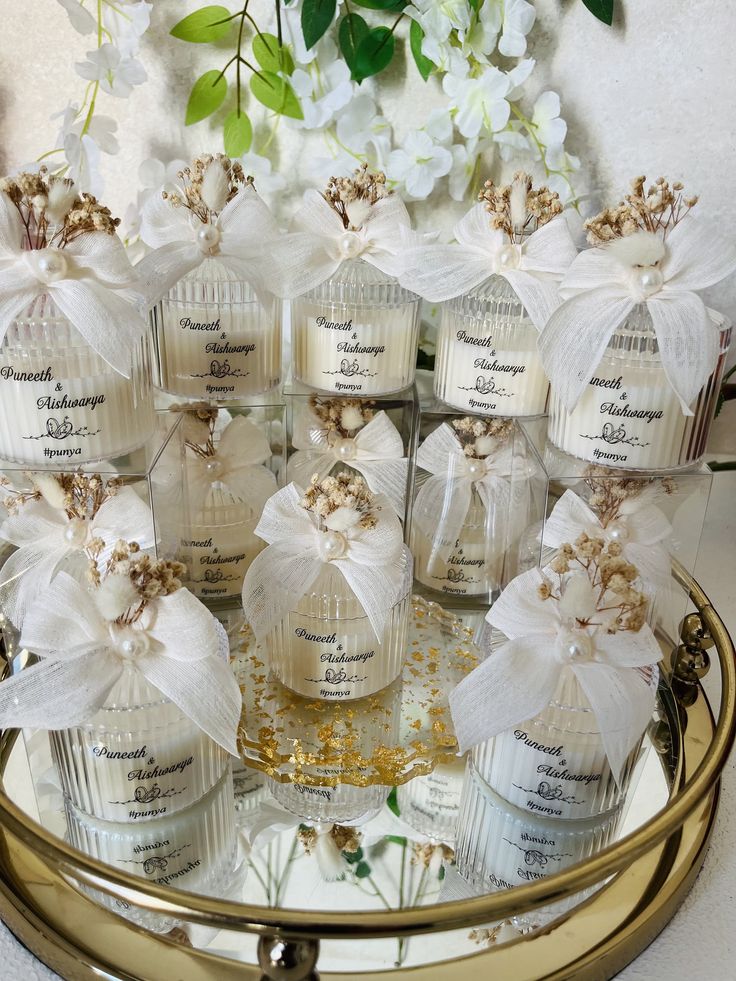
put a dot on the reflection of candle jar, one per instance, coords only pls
(431, 803)
(340, 804)
(249, 786)
(219, 544)
(473, 566)
(327, 648)
(217, 338)
(61, 401)
(487, 358)
(554, 765)
(629, 414)
(356, 333)
(139, 758)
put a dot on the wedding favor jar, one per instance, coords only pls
(629, 415)
(75, 374)
(354, 328)
(431, 804)
(497, 285)
(217, 325)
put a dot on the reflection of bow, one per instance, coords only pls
(376, 451)
(373, 560)
(600, 291)
(517, 681)
(175, 645)
(443, 501)
(533, 268)
(90, 281)
(319, 243)
(244, 228)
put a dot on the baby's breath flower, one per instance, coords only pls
(519, 208)
(656, 209)
(364, 186)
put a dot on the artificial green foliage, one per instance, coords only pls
(203, 26)
(602, 9)
(207, 95)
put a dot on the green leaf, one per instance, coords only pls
(270, 56)
(397, 840)
(275, 93)
(441, 874)
(602, 9)
(374, 52)
(353, 857)
(317, 16)
(202, 26)
(381, 4)
(238, 134)
(362, 870)
(392, 802)
(351, 32)
(207, 95)
(416, 36)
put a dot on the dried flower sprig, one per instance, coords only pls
(79, 495)
(344, 839)
(519, 208)
(208, 185)
(431, 855)
(343, 491)
(199, 422)
(480, 437)
(655, 209)
(341, 418)
(610, 492)
(53, 213)
(596, 586)
(130, 580)
(350, 197)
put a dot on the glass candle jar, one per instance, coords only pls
(216, 338)
(629, 415)
(474, 564)
(487, 358)
(356, 333)
(326, 646)
(430, 804)
(60, 401)
(554, 765)
(139, 758)
(218, 545)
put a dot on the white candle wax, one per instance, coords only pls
(431, 803)
(138, 759)
(60, 402)
(487, 358)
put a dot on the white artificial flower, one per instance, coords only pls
(291, 25)
(83, 156)
(366, 133)
(518, 76)
(480, 40)
(439, 126)
(438, 18)
(126, 23)
(518, 20)
(268, 183)
(512, 142)
(81, 19)
(549, 128)
(322, 93)
(447, 57)
(562, 165)
(319, 169)
(418, 164)
(464, 160)
(479, 103)
(116, 74)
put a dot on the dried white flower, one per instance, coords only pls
(116, 595)
(343, 519)
(351, 418)
(215, 186)
(639, 249)
(578, 598)
(329, 858)
(517, 201)
(51, 490)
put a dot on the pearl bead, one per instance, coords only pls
(213, 467)
(650, 280)
(617, 531)
(574, 645)
(508, 257)
(332, 545)
(350, 245)
(208, 238)
(51, 265)
(75, 532)
(130, 643)
(345, 448)
(476, 469)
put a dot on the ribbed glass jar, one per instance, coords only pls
(326, 647)
(216, 338)
(60, 402)
(499, 846)
(554, 765)
(431, 804)
(250, 788)
(139, 758)
(343, 804)
(474, 565)
(629, 415)
(218, 545)
(487, 357)
(357, 333)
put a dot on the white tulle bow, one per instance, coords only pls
(47, 540)
(517, 681)
(175, 645)
(600, 291)
(237, 463)
(90, 280)
(372, 560)
(376, 451)
(319, 242)
(640, 528)
(443, 501)
(238, 240)
(533, 268)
